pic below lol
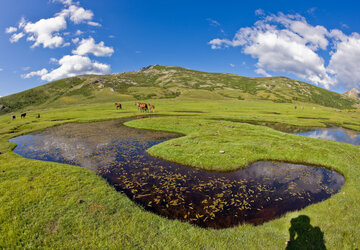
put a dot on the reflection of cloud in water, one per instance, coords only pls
(334, 134)
(302, 177)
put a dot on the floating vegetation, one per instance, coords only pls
(263, 191)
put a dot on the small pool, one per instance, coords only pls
(334, 134)
(263, 191)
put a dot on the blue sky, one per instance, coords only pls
(314, 41)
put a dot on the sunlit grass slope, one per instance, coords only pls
(163, 82)
(39, 201)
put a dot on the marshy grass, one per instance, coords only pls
(45, 204)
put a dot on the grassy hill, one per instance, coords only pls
(157, 82)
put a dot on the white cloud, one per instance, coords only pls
(65, 2)
(16, 37)
(73, 65)
(75, 40)
(1, 69)
(259, 12)
(344, 62)
(35, 73)
(88, 46)
(42, 32)
(78, 32)
(22, 23)
(213, 22)
(311, 11)
(10, 30)
(232, 65)
(25, 68)
(53, 60)
(45, 32)
(284, 43)
(77, 14)
(262, 72)
(95, 24)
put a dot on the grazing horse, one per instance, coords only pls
(151, 107)
(118, 105)
(23, 115)
(38, 116)
(14, 117)
(142, 106)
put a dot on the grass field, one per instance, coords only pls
(39, 200)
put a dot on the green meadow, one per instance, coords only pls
(39, 201)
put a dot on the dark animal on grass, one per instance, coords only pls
(38, 116)
(142, 106)
(14, 117)
(23, 115)
(118, 105)
(151, 107)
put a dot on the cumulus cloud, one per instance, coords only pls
(88, 46)
(77, 14)
(73, 65)
(344, 62)
(262, 72)
(288, 44)
(46, 32)
(75, 40)
(35, 73)
(10, 30)
(78, 33)
(42, 32)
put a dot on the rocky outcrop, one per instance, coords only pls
(353, 93)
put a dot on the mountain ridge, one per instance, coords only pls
(156, 82)
(352, 93)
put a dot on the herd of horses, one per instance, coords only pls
(23, 115)
(143, 107)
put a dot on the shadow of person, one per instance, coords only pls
(305, 236)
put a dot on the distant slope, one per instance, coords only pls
(353, 93)
(158, 81)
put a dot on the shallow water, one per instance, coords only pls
(334, 134)
(263, 191)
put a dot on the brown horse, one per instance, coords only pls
(142, 106)
(151, 107)
(23, 115)
(38, 116)
(118, 105)
(14, 117)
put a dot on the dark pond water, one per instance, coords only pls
(334, 134)
(263, 191)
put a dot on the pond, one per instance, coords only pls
(263, 191)
(334, 134)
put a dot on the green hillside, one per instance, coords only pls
(157, 82)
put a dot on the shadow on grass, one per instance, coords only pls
(304, 236)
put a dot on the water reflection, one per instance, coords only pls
(334, 134)
(263, 191)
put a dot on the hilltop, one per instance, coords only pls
(353, 93)
(156, 82)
